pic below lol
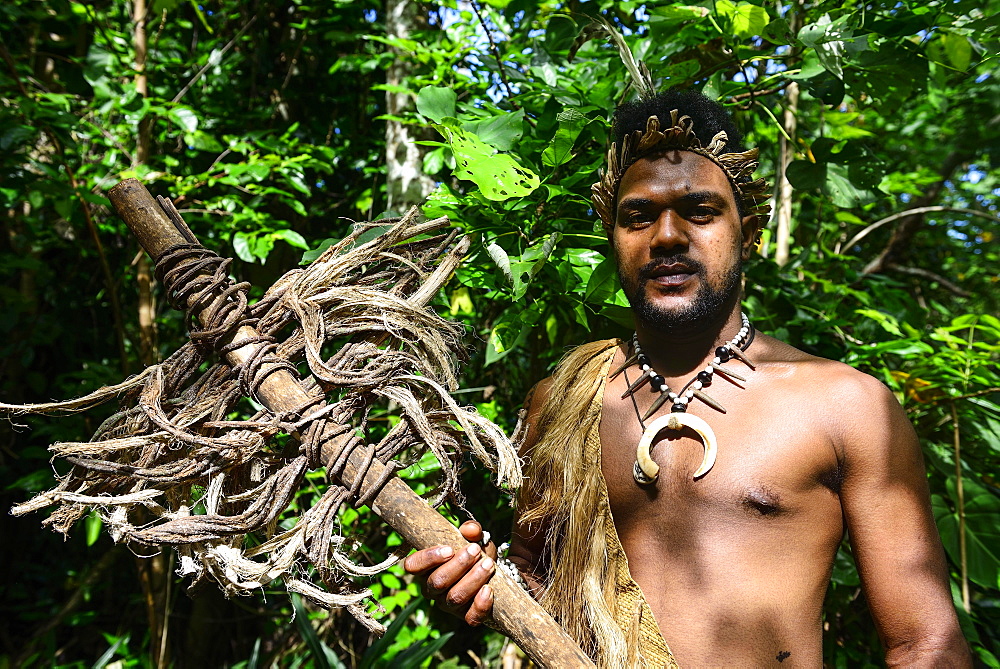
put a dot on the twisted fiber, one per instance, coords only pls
(174, 453)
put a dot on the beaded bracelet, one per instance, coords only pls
(510, 569)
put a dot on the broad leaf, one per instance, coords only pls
(436, 102)
(498, 176)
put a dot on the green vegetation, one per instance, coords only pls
(266, 122)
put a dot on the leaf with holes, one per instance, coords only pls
(498, 175)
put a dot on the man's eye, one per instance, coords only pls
(703, 213)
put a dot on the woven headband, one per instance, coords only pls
(680, 136)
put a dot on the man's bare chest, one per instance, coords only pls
(773, 461)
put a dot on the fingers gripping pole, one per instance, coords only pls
(515, 613)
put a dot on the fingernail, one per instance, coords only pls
(487, 592)
(445, 551)
(472, 550)
(486, 564)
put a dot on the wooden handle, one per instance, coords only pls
(515, 612)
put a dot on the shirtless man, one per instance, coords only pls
(733, 564)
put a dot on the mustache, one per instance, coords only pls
(649, 270)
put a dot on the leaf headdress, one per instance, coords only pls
(680, 135)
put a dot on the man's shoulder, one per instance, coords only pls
(825, 374)
(854, 407)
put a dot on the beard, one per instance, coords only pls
(709, 303)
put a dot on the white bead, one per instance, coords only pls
(697, 385)
(645, 368)
(710, 369)
(664, 388)
(672, 395)
(689, 394)
(717, 360)
(682, 400)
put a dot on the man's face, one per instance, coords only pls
(679, 241)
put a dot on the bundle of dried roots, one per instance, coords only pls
(173, 467)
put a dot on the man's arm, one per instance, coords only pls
(886, 505)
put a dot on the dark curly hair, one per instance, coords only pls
(709, 118)
(708, 115)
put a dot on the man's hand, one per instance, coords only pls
(458, 581)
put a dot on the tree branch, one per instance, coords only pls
(909, 224)
(496, 53)
(913, 212)
(927, 274)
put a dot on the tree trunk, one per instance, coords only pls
(153, 571)
(786, 151)
(406, 183)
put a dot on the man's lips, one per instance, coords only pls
(670, 275)
(672, 279)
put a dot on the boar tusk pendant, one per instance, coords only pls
(646, 470)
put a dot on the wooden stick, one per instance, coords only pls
(515, 612)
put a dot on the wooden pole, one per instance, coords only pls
(515, 612)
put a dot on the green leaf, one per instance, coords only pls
(603, 282)
(202, 141)
(678, 13)
(982, 537)
(498, 176)
(414, 656)
(381, 645)
(560, 149)
(749, 20)
(888, 323)
(291, 237)
(501, 259)
(436, 102)
(842, 190)
(777, 32)
(827, 87)
(827, 37)
(15, 135)
(94, 525)
(261, 245)
(806, 175)
(241, 244)
(317, 649)
(832, 179)
(560, 32)
(686, 69)
(500, 131)
(183, 117)
(958, 49)
(726, 8)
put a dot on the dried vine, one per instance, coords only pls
(215, 486)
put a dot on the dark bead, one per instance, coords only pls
(679, 408)
(723, 353)
(705, 377)
(656, 383)
(642, 359)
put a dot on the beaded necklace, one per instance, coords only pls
(646, 470)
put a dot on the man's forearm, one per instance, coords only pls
(535, 582)
(946, 651)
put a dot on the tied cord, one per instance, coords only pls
(196, 278)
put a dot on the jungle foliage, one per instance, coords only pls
(265, 121)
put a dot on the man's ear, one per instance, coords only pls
(750, 227)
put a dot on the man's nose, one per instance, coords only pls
(670, 231)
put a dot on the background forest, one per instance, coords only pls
(275, 123)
